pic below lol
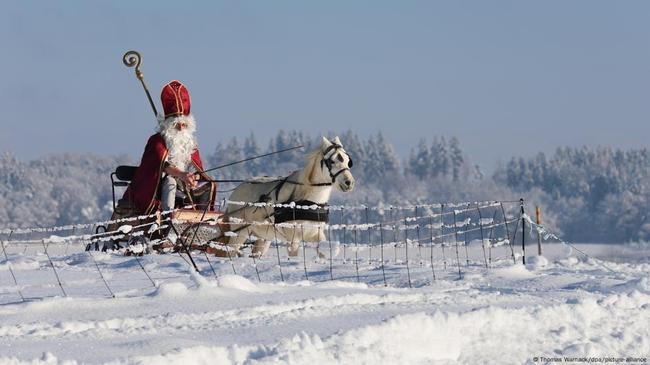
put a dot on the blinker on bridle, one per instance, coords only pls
(329, 162)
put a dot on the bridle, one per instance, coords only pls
(327, 160)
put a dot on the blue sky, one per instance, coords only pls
(505, 77)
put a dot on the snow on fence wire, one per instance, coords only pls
(381, 244)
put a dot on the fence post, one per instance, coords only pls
(433, 271)
(369, 240)
(406, 245)
(381, 251)
(523, 232)
(538, 220)
(510, 242)
(460, 276)
(356, 253)
(58, 280)
(442, 235)
(417, 230)
(329, 238)
(277, 250)
(304, 252)
(480, 225)
(22, 298)
(344, 236)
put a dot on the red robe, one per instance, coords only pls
(143, 190)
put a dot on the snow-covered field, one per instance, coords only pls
(561, 305)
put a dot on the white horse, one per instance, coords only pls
(327, 166)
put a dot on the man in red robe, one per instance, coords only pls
(171, 165)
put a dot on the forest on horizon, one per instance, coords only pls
(587, 194)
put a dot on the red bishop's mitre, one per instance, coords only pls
(175, 99)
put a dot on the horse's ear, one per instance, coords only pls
(326, 143)
(337, 141)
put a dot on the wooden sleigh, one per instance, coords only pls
(185, 228)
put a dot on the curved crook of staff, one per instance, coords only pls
(134, 59)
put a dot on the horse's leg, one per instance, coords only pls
(293, 243)
(265, 236)
(321, 238)
(230, 245)
(293, 249)
(260, 246)
(287, 235)
(236, 242)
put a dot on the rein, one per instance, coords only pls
(261, 182)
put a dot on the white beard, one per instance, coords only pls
(180, 144)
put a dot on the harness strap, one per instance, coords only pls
(338, 173)
(279, 186)
(298, 183)
(333, 146)
(285, 214)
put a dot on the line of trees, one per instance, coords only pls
(55, 190)
(603, 189)
(587, 194)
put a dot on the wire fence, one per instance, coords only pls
(410, 246)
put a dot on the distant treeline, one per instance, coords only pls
(598, 194)
(587, 194)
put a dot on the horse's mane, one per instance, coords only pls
(313, 160)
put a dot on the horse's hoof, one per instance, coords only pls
(163, 247)
(257, 254)
(218, 252)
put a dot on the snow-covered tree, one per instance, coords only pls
(457, 160)
(441, 160)
(251, 149)
(420, 162)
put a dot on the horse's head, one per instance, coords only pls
(337, 163)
